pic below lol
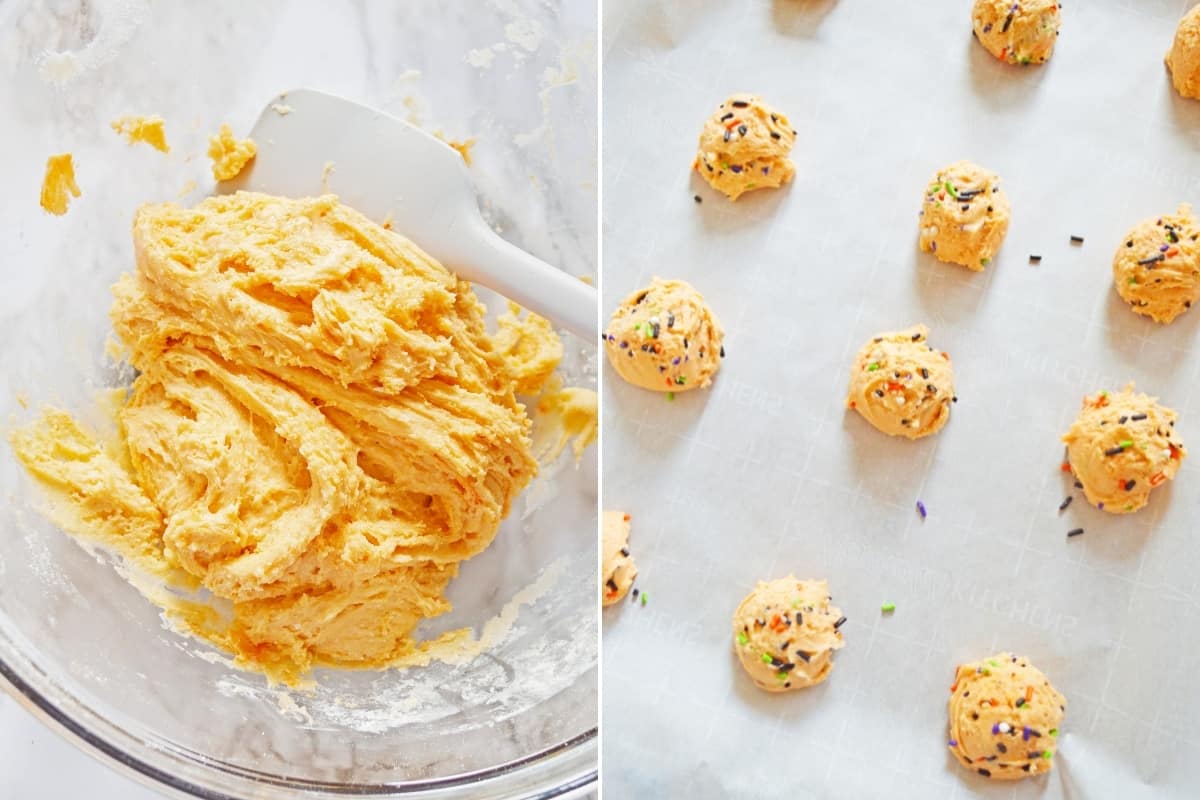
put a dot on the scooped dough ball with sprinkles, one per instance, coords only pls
(744, 146)
(1157, 266)
(1183, 59)
(965, 216)
(1121, 447)
(902, 385)
(785, 632)
(665, 338)
(1005, 718)
(617, 568)
(1017, 33)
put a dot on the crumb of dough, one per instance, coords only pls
(143, 129)
(569, 415)
(59, 184)
(617, 568)
(229, 155)
(463, 146)
(320, 431)
(186, 189)
(327, 169)
(530, 347)
(282, 109)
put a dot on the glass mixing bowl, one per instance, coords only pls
(78, 645)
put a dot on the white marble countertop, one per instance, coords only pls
(519, 75)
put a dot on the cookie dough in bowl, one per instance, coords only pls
(1121, 447)
(744, 146)
(901, 384)
(785, 633)
(1156, 269)
(1017, 32)
(616, 563)
(320, 431)
(965, 215)
(665, 338)
(1183, 59)
(1005, 718)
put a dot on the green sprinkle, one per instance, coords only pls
(796, 602)
(1026, 60)
(766, 659)
(1104, 393)
(680, 380)
(993, 663)
(887, 608)
(753, 186)
(1048, 754)
(983, 262)
(742, 639)
(872, 367)
(1129, 507)
(670, 395)
(987, 672)
(1125, 444)
(644, 596)
(724, 165)
(1133, 281)
(1054, 731)
(782, 676)
(950, 188)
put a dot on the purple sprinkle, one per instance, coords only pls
(952, 743)
(735, 168)
(987, 28)
(995, 729)
(933, 247)
(676, 361)
(1025, 733)
(624, 345)
(921, 509)
(1100, 506)
(766, 170)
(1164, 248)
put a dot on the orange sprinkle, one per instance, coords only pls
(993, 702)
(895, 387)
(733, 123)
(1028, 695)
(1066, 466)
(954, 688)
(1158, 478)
(627, 518)
(1003, 53)
(853, 404)
(945, 355)
(1175, 452)
(1174, 251)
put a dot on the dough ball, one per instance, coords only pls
(1121, 446)
(744, 146)
(1004, 718)
(965, 216)
(1183, 59)
(665, 338)
(1157, 266)
(1017, 32)
(617, 565)
(901, 385)
(785, 632)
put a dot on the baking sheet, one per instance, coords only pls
(766, 473)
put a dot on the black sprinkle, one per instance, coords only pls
(788, 667)
(1112, 451)
(611, 584)
(1074, 532)
(1020, 702)
(697, 198)
(625, 552)
(1078, 485)
(1121, 419)
(635, 594)
(803, 656)
(1076, 240)
(728, 135)
(1138, 417)
(722, 351)
(727, 116)
(775, 135)
(924, 373)
(739, 104)
(1035, 259)
(742, 130)
(1025, 767)
(1152, 260)
(685, 343)
(916, 337)
(1066, 502)
(1000, 746)
(839, 623)
(1129, 484)
(640, 298)
(985, 773)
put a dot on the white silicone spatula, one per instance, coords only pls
(383, 165)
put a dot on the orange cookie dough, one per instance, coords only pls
(1122, 446)
(665, 338)
(320, 431)
(148, 130)
(1183, 59)
(965, 215)
(617, 569)
(1004, 718)
(1156, 268)
(58, 186)
(744, 146)
(902, 385)
(785, 633)
(1017, 31)
(229, 155)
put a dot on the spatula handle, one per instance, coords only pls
(564, 300)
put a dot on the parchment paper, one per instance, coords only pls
(767, 474)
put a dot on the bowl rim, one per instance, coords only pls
(565, 769)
